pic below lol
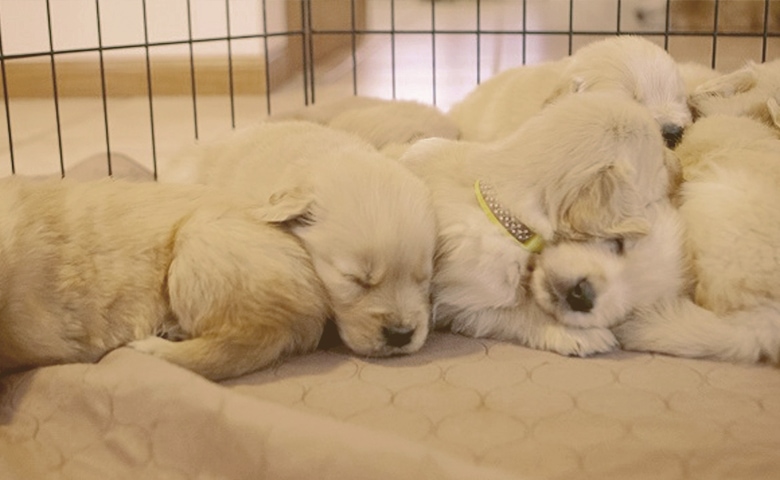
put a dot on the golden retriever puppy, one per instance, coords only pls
(89, 267)
(389, 125)
(600, 282)
(629, 66)
(367, 221)
(752, 91)
(587, 166)
(729, 206)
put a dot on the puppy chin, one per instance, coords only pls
(375, 333)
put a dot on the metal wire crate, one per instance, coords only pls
(143, 77)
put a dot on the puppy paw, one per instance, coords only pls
(580, 342)
(583, 342)
(151, 345)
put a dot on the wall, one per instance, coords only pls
(24, 25)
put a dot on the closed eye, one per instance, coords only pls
(421, 278)
(618, 245)
(363, 281)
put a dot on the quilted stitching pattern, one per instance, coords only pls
(618, 416)
(460, 408)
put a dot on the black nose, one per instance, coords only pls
(397, 336)
(672, 134)
(581, 297)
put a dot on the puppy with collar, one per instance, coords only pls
(703, 283)
(588, 166)
(90, 267)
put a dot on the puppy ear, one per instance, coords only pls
(606, 205)
(674, 169)
(287, 205)
(565, 87)
(774, 111)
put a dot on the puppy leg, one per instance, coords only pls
(727, 85)
(535, 329)
(682, 328)
(579, 342)
(219, 356)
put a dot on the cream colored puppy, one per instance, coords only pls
(752, 91)
(587, 166)
(729, 204)
(89, 267)
(629, 66)
(366, 220)
(599, 283)
(389, 125)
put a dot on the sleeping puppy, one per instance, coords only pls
(389, 125)
(600, 282)
(89, 267)
(752, 91)
(366, 220)
(587, 166)
(729, 206)
(629, 66)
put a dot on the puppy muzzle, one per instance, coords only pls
(672, 134)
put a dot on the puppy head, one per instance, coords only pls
(638, 69)
(597, 283)
(370, 230)
(591, 163)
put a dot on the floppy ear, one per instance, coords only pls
(565, 87)
(606, 205)
(774, 111)
(287, 205)
(674, 169)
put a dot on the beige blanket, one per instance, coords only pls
(461, 408)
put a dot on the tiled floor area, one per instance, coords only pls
(151, 131)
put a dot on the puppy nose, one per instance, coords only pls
(581, 297)
(397, 336)
(672, 134)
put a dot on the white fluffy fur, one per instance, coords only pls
(729, 204)
(389, 125)
(87, 268)
(587, 166)
(695, 74)
(366, 220)
(614, 277)
(753, 91)
(629, 66)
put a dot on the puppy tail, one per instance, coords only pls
(680, 327)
